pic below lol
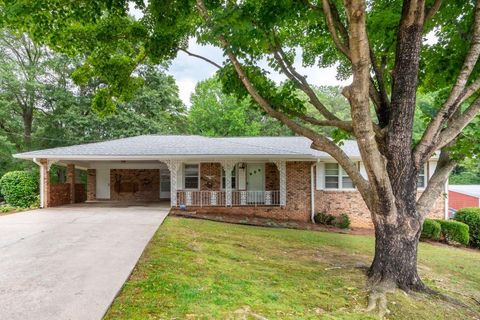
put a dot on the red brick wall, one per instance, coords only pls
(350, 202)
(80, 193)
(135, 184)
(457, 200)
(91, 184)
(59, 194)
(210, 176)
(298, 198)
(272, 177)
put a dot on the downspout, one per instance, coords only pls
(42, 191)
(312, 192)
(446, 199)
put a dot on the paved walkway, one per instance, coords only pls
(69, 262)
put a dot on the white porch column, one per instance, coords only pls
(282, 169)
(173, 166)
(228, 166)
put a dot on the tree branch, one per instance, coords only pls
(457, 124)
(435, 183)
(301, 82)
(332, 29)
(432, 10)
(319, 141)
(344, 125)
(358, 95)
(213, 63)
(430, 137)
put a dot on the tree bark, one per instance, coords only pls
(396, 243)
(27, 128)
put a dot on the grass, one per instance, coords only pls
(195, 269)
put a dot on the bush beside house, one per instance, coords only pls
(342, 221)
(431, 230)
(454, 231)
(471, 217)
(20, 188)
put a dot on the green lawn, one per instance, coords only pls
(195, 269)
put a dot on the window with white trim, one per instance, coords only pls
(191, 176)
(234, 178)
(336, 177)
(331, 176)
(421, 178)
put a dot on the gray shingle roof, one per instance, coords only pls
(177, 145)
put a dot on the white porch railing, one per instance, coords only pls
(218, 198)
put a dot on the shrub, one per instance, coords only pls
(431, 230)
(342, 221)
(324, 218)
(471, 217)
(454, 231)
(20, 188)
(6, 208)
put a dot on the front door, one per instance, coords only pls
(255, 182)
(164, 183)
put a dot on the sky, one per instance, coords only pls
(188, 71)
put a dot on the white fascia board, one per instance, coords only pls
(266, 157)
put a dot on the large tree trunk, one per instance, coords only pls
(395, 261)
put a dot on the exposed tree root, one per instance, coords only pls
(378, 297)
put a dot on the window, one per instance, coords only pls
(331, 176)
(421, 178)
(191, 176)
(347, 182)
(234, 178)
(336, 177)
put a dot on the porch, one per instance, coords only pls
(183, 183)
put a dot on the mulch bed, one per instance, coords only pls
(265, 222)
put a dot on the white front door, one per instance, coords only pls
(164, 183)
(255, 182)
(103, 183)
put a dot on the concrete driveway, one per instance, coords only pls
(70, 262)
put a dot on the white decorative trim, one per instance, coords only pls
(213, 198)
(228, 166)
(173, 166)
(268, 198)
(282, 169)
(50, 163)
(243, 198)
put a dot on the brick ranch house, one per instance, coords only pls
(273, 177)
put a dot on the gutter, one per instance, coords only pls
(312, 193)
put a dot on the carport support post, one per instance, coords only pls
(173, 166)
(71, 181)
(44, 183)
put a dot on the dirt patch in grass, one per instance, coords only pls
(197, 269)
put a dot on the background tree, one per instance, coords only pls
(382, 47)
(214, 113)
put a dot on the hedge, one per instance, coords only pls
(454, 231)
(20, 188)
(431, 230)
(471, 217)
